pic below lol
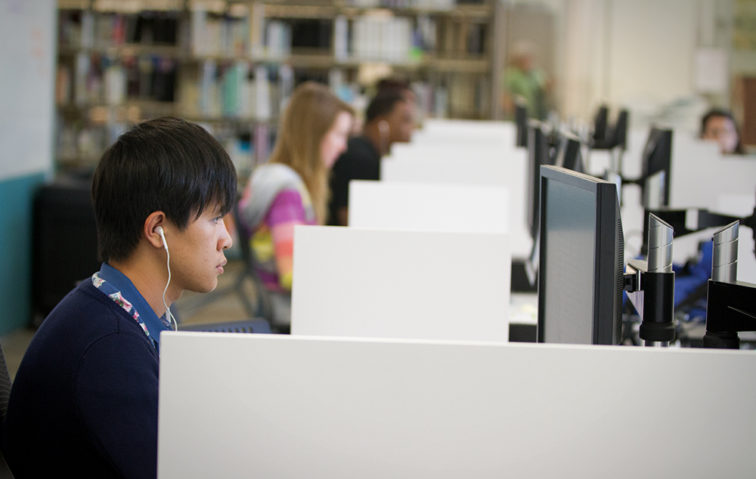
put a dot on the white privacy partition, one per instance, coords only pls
(700, 174)
(400, 284)
(469, 169)
(449, 131)
(457, 150)
(437, 164)
(245, 405)
(421, 206)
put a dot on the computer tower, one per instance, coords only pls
(64, 248)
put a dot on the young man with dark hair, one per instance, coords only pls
(85, 400)
(389, 119)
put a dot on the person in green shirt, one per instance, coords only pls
(522, 80)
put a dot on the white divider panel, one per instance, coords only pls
(700, 174)
(449, 131)
(400, 284)
(456, 150)
(437, 164)
(245, 405)
(438, 207)
(508, 170)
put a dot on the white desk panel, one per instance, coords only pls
(242, 405)
(400, 284)
(449, 131)
(701, 175)
(423, 206)
(470, 170)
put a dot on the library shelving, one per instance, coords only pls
(231, 64)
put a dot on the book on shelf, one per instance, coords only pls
(382, 38)
(81, 76)
(277, 40)
(214, 35)
(257, 30)
(262, 94)
(208, 90)
(86, 34)
(285, 87)
(62, 85)
(115, 84)
(340, 38)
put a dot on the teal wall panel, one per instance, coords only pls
(16, 197)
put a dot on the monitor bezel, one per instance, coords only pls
(603, 331)
(653, 162)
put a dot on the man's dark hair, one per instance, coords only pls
(393, 84)
(167, 165)
(382, 104)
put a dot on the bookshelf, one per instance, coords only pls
(231, 64)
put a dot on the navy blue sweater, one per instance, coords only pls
(84, 402)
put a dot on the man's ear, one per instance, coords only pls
(154, 220)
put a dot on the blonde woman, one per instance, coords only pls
(292, 188)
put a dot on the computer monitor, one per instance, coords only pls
(608, 137)
(619, 130)
(570, 154)
(538, 154)
(656, 169)
(581, 264)
(521, 123)
(600, 124)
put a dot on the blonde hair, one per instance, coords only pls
(311, 112)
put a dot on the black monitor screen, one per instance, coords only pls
(600, 124)
(521, 123)
(619, 131)
(538, 154)
(581, 261)
(656, 168)
(570, 154)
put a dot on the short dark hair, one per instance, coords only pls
(166, 164)
(393, 84)
(382, 104)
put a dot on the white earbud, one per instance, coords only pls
(160, 231)
(171, 319)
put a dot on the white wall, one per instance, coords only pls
(582, 58)
(632, 53)
(27, 55)
(27, 59)
(652, 44)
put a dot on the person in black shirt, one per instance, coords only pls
(389, 119)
